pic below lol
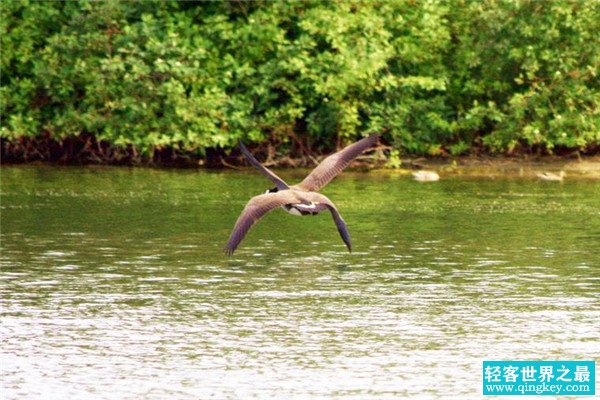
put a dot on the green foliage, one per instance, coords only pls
(525, 73)
(436, 77)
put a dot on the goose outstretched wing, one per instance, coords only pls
(334, 164)
(255, 209)
(323, 202)
(281, 185)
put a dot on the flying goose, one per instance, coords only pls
(301, 199)
(549, 176)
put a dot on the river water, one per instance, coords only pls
(114, 285)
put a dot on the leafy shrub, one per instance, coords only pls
(525, 73)
(436, 78)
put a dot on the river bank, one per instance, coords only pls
(514, 167)
(80, 151)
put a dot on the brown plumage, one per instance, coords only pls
(334, 164)
(301, 199)
(279, 183)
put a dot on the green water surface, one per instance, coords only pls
(114, 285)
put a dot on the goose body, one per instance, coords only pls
(301, 199)
(297, 209)
(301, 209)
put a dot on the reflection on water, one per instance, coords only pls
(114, 285)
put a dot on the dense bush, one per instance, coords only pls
(433, 76)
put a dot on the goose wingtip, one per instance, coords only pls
(374, 137)
(228, 251)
